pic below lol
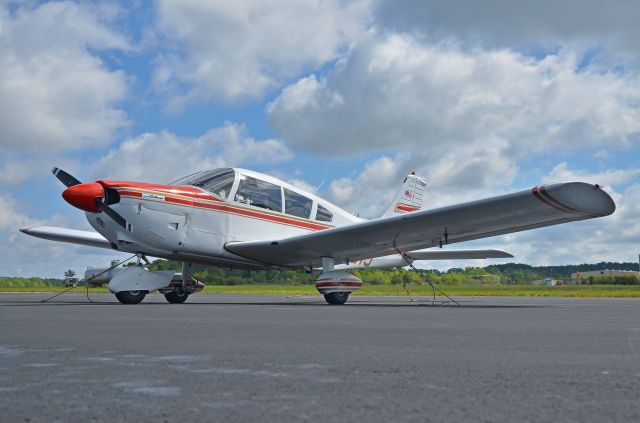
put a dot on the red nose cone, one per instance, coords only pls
(83, 196)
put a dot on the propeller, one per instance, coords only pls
(65, 178)
(111, 213)
(91, 197)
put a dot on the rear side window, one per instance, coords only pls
(259, 193)
(323, 214)
(296, 204)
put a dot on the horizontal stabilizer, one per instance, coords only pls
(74, 236)
(457, 254)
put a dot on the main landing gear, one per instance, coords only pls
(335, 286)
(336, 298)
(131, 297)
(177, 296)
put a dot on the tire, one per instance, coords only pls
(175, 297)
(337, 298)
(131, 297)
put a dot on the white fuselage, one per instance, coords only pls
(191, 224)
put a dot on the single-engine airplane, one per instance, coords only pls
(238, 218)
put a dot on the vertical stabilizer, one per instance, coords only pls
(409, 197)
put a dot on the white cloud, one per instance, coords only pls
(163, 157)
(10, 216)
(232, 51)
(369, 193)
(457, 177)
(610, 27)
(395, 92)
(15, 170)
(23, 255)
(55, 92)
(562, 173)
(612, 238)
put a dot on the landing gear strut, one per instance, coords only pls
(180, 293)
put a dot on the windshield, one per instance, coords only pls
(217, 181)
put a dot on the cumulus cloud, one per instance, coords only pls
(23, 255)
(610, 27)
(17, 169)
(612, 238)
(369, 193)
(459, 176)
(10, 215)
(397, 92)
(610, 177)
(55, 92)
(232, 51)
(164, 156)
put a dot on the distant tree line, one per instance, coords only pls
(509, 273)
(7, 282)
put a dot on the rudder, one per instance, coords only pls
(409, 197)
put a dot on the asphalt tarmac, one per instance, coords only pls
(267, 358)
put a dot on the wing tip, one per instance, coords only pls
(26, 229)
(503, 254)
(581, 197)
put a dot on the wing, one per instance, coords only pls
(92, 239)
(457, 254)
(535, 208)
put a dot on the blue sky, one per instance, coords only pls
(348, 96)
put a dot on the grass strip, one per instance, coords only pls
(591, 291)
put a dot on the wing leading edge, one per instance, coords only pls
(74, 236)
(535, 208)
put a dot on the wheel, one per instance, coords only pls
(337, 298)
(176, 297)
(131, 297)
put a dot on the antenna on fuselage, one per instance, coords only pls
(319, 186)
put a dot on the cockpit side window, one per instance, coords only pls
(186, 180)
(217, 182)
(323, 214)
(296, 204)
(219, 185)
(259, 193)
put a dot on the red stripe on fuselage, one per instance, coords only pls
(223, 207)
(326, 284)
(183, 190)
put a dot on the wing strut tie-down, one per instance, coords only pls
(86, 281)
(433, 287)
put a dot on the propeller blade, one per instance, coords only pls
(65, 178)
(112, 213)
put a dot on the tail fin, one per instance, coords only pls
(409, 196)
